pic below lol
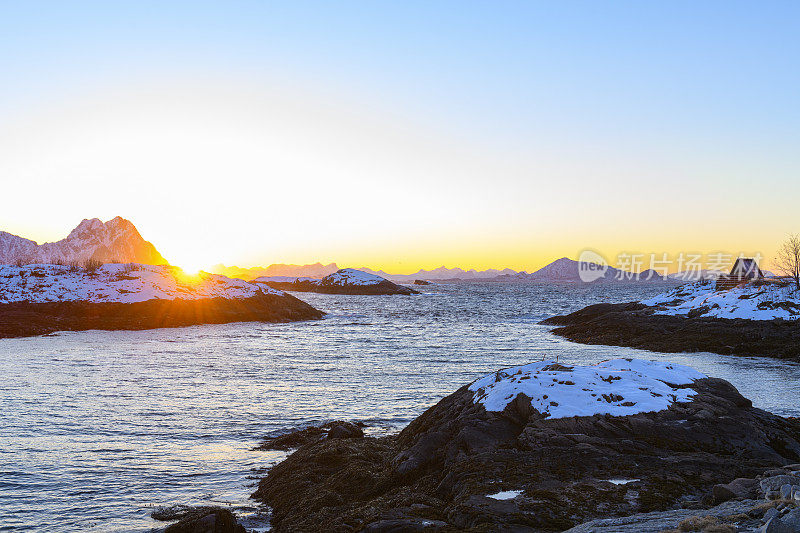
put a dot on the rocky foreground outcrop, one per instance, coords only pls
(344, 281)
(639, 326)
(542, 447)
(202, 519)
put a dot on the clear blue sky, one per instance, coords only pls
(699, 94)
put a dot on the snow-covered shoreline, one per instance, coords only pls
(755, 300)
(119, 283)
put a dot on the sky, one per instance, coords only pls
(408, 135)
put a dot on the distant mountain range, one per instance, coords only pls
(442, 273)
(316, 271)
(560, 270)
(117, 240)
(319, 271)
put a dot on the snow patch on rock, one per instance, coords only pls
(751, 301)
(618, 387)
(621, 481)
(117, 282)
(505, 495)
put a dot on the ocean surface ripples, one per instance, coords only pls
(98, 427)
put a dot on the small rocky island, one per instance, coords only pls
(754, 317)
(42, 298)
(343, 281)
(542, 447)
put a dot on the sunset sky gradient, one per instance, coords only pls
(404, 135)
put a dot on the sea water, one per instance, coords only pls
(97, 428)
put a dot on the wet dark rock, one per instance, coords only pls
(721, 493)
(635, 325)
(205, 519)
(446, 464)
(421, 282)
(23, 319)
(335, 430)
(738, 488)
(404, 525)
(345, 430)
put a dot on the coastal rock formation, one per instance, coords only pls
(40, 299)
(104, 242)
(542, 447)
(344, 281)
(203, 519)
(756, 318)
(294, 439)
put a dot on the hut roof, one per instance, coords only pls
(746, 267)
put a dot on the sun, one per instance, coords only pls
(191, 269)
(191, 262)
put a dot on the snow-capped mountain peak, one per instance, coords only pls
(92, 239)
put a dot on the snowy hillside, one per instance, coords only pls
(126, 283)
(350, 276)
(344, 281)
(753, 301)
(115, 240)
(345, 277)
(619, 387)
